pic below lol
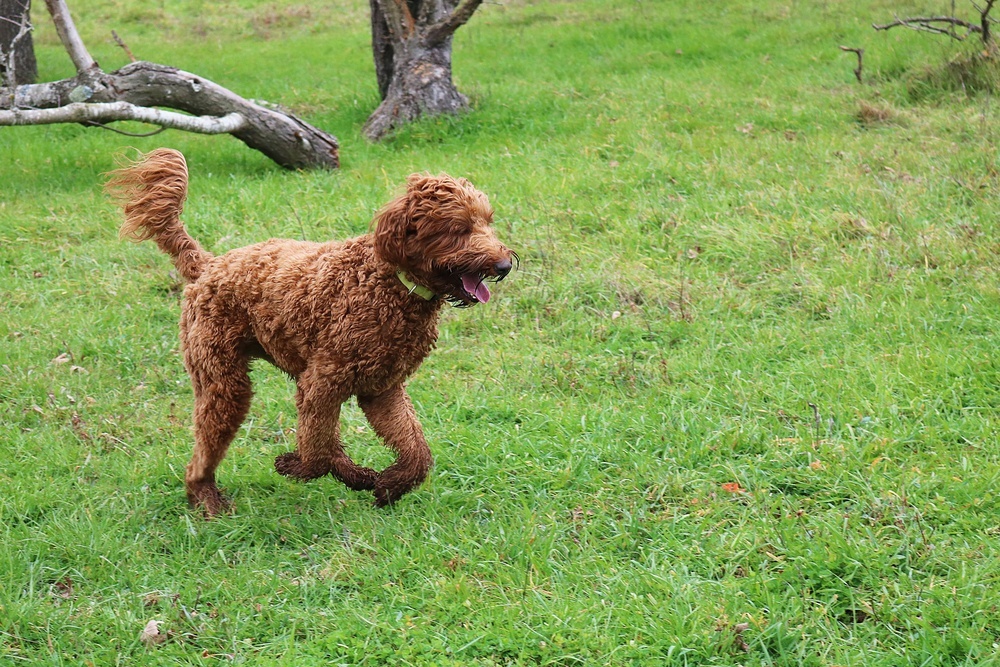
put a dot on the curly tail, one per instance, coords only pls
(151, 192)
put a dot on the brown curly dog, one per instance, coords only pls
(351, 318)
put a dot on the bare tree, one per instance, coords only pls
(17, 52)
(411, 44)
(951, 25)
(94, 97)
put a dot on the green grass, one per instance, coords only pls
(629, 466)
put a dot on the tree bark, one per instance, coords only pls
(17, 51)
(411, 45)
(382, 49)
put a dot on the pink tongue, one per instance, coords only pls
(476, 286)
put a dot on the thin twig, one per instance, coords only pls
(10, 21)
(119, 42)
(860, 53)
(91, 123)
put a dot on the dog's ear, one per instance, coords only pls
(393, 226)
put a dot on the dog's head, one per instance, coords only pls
(440, 233)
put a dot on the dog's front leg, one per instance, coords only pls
(319, 449)
(392, 416)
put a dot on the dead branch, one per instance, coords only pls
(108, 112)
(927, 24)
(68, 35)
(860, 53)
(985, 20)
(945, 25)
(123, 45)
(132, 93)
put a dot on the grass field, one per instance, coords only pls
(739, 405)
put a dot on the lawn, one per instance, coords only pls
(738, 405)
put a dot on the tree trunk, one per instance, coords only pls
(411, 44)
(421, 85)
(382, 49)
(17, 52)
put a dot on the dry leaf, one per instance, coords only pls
(63, 588)
(62, 358)
(733, 487)
(739, 629)
(151, 635)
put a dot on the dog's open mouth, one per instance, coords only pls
(474, 286)
(469, 287)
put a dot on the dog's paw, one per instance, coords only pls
(354, 477)
(290, 464)
(399, 479)
(385, 495)
(287, 464)
(209, 498)
(382, 498)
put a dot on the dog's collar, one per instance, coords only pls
(419, 290)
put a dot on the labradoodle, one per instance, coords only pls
(343, 318)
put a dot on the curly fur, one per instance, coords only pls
(335, 316)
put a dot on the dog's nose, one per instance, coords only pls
(502, 268)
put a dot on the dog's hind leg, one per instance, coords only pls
(392, 416)
(319, 450)
(222, 399)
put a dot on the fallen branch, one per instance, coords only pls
(945, 25)
(132, 93)
(109, 112)
(860, 53)
(927, 24)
